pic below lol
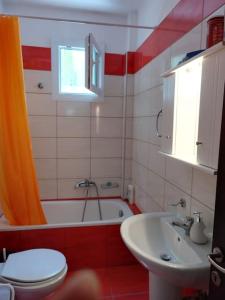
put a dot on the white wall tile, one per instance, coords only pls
(141, 177)
(157, 163)
(188, 43)
(106, 192)
(106, 127)
(129, 106)
(114, 86)
(42, 126)
(73, 147)
(73, 108)
(66, 189)
(148, 103)
(141, 198)
(129, 145)
(179, 174)
(103, 148)
(33, 78)
(106, 167)
(44, 147)
(130, 85)
(129, 128)
(45, 168)
(204, 188)
(142, 153)
(172, 196)
(110, 107)
(41, 104)
(128, 168)
(144, 129)
(48, 188)
(73, 168)
(156, 188)
(151, 205)
(73, 126)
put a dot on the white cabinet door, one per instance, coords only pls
(167, 114)
(210, 114)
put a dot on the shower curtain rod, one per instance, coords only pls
(81, 22)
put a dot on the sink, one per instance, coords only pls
(172, 259)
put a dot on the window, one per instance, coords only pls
(78, 70)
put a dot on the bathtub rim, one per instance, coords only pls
(6, 227)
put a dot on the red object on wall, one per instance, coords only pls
(215, 30)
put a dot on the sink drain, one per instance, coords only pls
(165, 257)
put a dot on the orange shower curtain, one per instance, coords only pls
(19, 195)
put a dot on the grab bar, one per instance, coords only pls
(157, 124)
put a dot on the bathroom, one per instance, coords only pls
(101, 162)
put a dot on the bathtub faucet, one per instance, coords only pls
(84, 184)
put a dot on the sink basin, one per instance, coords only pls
(169, 255)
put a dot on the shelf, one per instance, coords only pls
(204, 53)
(202, 168)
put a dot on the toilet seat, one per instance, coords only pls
(34, 284)
(33, 267)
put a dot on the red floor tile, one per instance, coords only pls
(144, 296)
(103, 276)
(128, 280)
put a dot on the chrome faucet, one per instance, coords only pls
(186, 224)
(84, 184)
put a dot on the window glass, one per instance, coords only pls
(72, 70)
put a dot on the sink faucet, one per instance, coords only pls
(186, 224)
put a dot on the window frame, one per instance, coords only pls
(96, 95)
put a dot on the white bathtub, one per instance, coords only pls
(68, 213)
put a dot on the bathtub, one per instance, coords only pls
(93, 243)
(69, 213)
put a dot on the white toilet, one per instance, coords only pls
(34, 274)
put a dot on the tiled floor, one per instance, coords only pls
(126, 283)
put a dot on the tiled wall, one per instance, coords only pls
(76, 140)
(161, 181)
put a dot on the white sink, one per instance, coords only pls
(149, 237)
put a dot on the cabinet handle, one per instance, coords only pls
(198, 143)
(157, 124)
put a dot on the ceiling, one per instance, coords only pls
(103, 6)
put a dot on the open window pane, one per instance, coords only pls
(72, 70)
(95, 67)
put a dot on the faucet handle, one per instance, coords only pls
(198, 215)
(189, 219)
(181, 202)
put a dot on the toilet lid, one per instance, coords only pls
(33, 265)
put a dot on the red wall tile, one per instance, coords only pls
(36, 58)
(115, 64)
(212, 5)
(86, 246)
(186, 15)
(39, 58)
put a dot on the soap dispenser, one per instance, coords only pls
(197, 234)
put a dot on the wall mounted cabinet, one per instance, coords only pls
(192, 109)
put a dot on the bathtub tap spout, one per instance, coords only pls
(84, 184)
